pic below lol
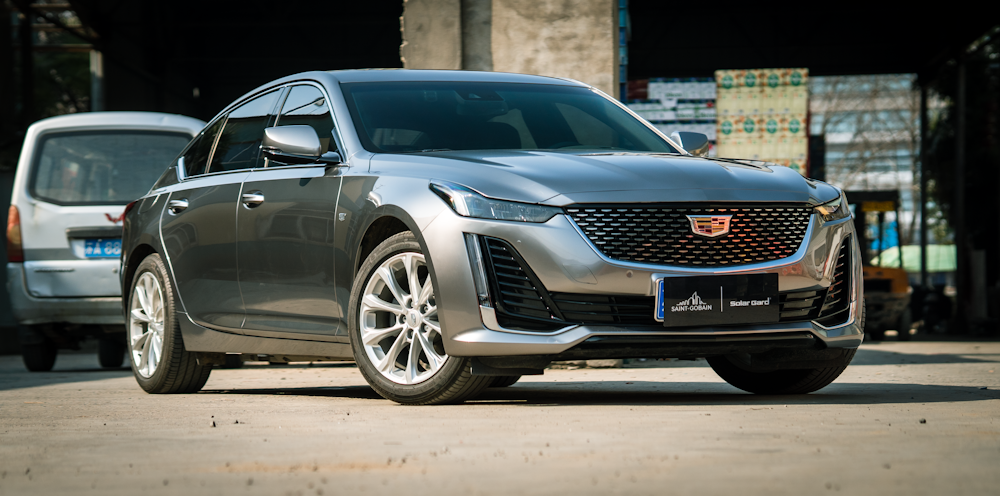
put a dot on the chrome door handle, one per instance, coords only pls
(175, 206)
(251, 200)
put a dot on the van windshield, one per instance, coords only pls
(101, 167)
(407, 117)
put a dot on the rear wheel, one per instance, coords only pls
(903, 325)
(111, 351)
(39, 357)
(156, 348)
(395, 333)
(505, 381)
(736, 372)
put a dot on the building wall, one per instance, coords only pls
(563, 38)
(574, 39)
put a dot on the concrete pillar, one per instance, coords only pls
(96, 81)
(432, 34)
(575, 39)
(477, 35)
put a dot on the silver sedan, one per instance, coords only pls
(453, 231)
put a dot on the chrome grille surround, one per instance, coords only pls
(661, 234)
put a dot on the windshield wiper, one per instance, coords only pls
(429, 150)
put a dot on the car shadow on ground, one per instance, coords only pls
(869, 356)
(666, 393)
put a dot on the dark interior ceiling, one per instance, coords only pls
(688, 39)
(157, 53)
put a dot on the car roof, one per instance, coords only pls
(386, 75)
(112, 120)
(377, 75)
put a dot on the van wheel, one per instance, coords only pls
(395, 333)
(156, 349)
(39, 357)
(111, 351)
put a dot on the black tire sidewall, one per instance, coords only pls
(158, 381)
(403, 393)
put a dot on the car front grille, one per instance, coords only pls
(522, 302)
(661, 234)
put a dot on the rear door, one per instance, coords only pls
(79, 184)
(286, 240)
(199, 223)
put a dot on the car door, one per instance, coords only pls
(286, 233)
(199, 222)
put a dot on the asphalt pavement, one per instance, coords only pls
(905, 418)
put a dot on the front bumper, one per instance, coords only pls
(29, 310)
(564, 261)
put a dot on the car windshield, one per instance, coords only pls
(406, 117)
(101, 167)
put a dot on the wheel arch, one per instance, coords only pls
(138, 254)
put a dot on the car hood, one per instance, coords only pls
(559, 178)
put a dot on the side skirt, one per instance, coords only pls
(202, 339)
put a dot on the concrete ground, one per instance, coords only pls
(906, 418)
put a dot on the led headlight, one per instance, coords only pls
(834, 210)
(468, 203)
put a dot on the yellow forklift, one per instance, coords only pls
(887, 290)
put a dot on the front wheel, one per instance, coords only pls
(156, 349)
(395, 333)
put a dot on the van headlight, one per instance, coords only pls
(469, 203)
(834, 210)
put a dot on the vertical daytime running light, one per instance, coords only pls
(478, 269)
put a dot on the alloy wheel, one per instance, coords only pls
(399, 325)
(146, 316)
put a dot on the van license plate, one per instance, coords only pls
(717, 300)
(102, 248)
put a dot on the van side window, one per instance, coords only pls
(306, 105)
(238, 146)
(197, 154)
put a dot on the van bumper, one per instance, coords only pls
(30, 310)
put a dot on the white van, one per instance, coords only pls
(75, 175)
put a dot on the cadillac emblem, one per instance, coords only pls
(711, 226)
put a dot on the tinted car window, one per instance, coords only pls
(414, 116)
(101, 168)
(239, 144)
(306, 105)
(197, 153)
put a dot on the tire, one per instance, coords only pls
(504, 381)
(791, 381)
(159, 361)
(111, 352)
(395, 335)
(903, 325)
(39, 357)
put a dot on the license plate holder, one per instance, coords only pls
(717, 300)
(102, 247)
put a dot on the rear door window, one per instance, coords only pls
(101, 167)
(238, 146)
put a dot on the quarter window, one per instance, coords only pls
(238, 146)
(197, 154)
(306, 105)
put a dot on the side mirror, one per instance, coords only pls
(695, 143)
(296, 145)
